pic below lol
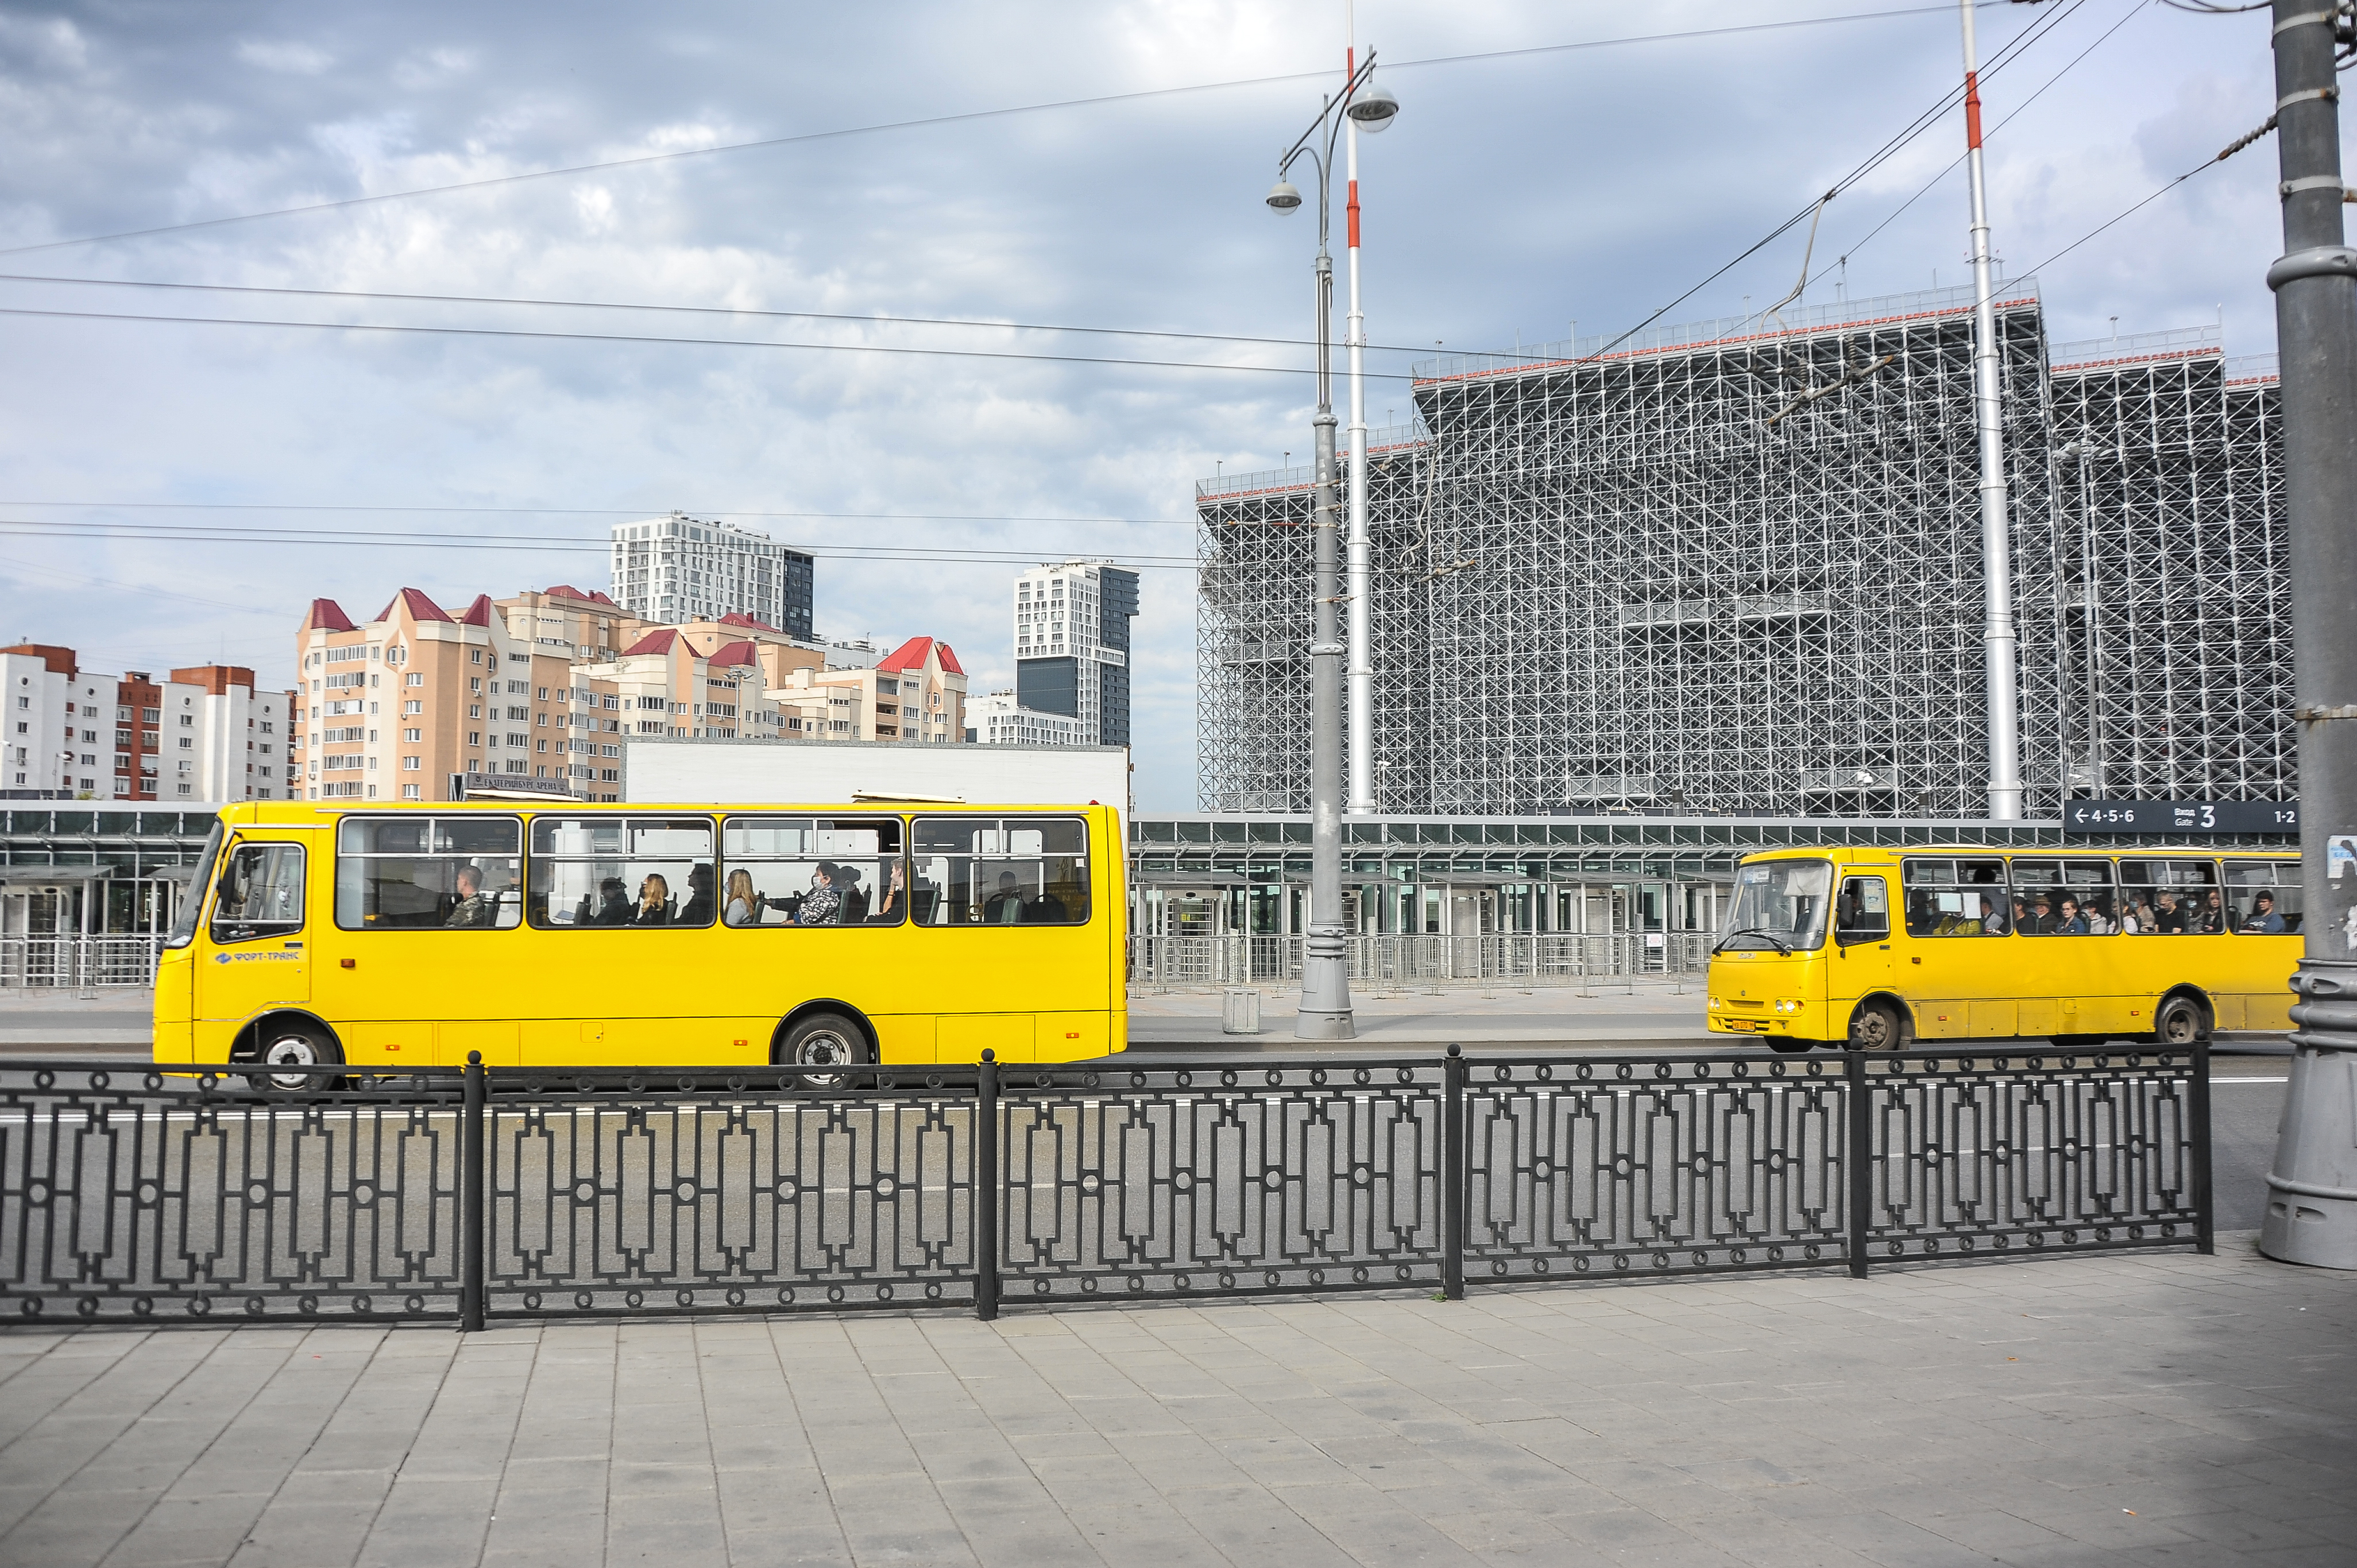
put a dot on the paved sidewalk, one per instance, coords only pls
(2158, 1408)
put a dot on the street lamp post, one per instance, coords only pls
(1325, 1011)
(2312, 1187)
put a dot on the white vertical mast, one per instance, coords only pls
(1360, 684)
(1998, 635)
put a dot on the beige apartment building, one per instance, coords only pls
(538, 694)
(916, 693)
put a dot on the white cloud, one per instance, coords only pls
(292, 58)
(1512, 195)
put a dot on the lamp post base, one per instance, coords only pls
(2312, 1191)
(1325, 1011)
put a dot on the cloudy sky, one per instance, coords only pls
(1057, 164)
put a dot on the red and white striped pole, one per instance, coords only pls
(1998, 637)
(1358, 685)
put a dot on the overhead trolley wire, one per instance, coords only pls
(862, 320)
(661, 341)
(2136, 9)
(1889, 149)
(644, 159)
(21, 528)
(633, 512)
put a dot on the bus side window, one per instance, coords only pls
(1000, 871)
(1956, 899)
(2172, 897)
(1862, 914)
(414, 872)
(260, 894)
(2263, 897)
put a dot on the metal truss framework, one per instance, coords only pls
(1732, 570)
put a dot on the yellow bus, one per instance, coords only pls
(642, 935)
(1878, 948)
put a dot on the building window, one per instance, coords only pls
(409, 764)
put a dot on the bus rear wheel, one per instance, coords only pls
(1875, 1027)
(2181, 1023)
(822, 1040)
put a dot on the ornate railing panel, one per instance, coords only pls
(756, 1191)
(1675, 1163)
(1990, 1154)
(1279, 1177)
(138, 1195)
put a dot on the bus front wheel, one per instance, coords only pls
(1875, 1027)
(296, 1044)
(822, 1039)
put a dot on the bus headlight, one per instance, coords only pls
(1788, 1007)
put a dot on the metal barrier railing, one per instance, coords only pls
(77, 963)
(199, 1195)
(1523, 959)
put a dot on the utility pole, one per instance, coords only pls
(1325, 1010)
(2312, 1187)
(1999, 637)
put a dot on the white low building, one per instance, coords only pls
(996, 719)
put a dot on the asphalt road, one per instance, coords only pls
(2245, 1106)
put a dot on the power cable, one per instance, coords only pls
(2231, 148)
(967, 116)
(633, 512)
(1948, 100)
(13, 528)
(2134, 11)
(863, 319)
(657, 340)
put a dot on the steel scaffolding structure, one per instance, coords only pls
(1723, 569)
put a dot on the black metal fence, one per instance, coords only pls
(516, 1194)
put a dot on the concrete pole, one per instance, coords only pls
(1361, 703)
(1325, 1011)
(1998, 635)
(2312, 1187)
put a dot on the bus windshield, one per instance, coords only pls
(193, 902)
(1779, 905)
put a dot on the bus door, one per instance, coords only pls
(2067, 987)
(1953, 909)
(424, 945)
(253, 954)
(1863, 961)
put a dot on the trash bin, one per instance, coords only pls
(1240, 1012)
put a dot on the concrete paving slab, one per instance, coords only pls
(2080, 1410)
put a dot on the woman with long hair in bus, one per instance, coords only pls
(744, 906)
(655, 901)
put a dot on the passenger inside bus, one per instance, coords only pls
(2263, 920)
(1004, 907)
(896, 897)
(472, 909)
(698, 911)
(745, 905)
(853, 896)
(655, 901)
(821, 906)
